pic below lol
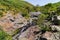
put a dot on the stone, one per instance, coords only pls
(54, 27)
(11, 22)
(51, 36)
(28, 34)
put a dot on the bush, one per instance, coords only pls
(1, 14)
(4, 36)
(46, 28)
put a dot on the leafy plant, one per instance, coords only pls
(4, 36)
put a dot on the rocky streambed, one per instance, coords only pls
(27, 30)
(34, 33)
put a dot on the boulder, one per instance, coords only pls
(51, 36)
(11, 22)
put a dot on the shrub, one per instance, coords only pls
(4, 36)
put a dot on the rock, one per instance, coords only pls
(54, 27)
(34, 33)
(29, 33)
(11, 22)
(51, 36)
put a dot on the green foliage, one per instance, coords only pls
(48, 8)
(42, 24)
(16, 31)
(46, 28)
(1, 14)
(41, 19)
(36, 8)
(4, 36)
(16, 6)
(51, 9)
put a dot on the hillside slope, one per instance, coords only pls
(15, 6)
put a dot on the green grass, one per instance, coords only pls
(4, 36)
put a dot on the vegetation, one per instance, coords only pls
(42, 22)
(48, 11)
(4, 36)
(16, 6)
